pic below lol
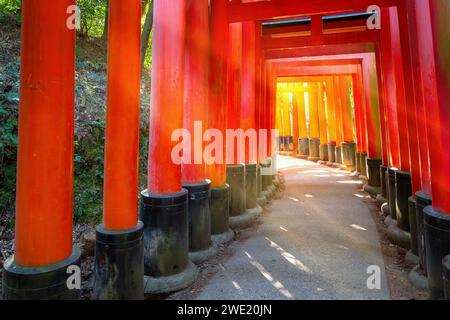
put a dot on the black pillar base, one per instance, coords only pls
(41, 283)
(331, 153)
(251, 185)
(413, 226)
(364, 164)
(166, 242)
(423, 200)
(199, 208)
(314, 149)
(446, 277)
(303, 148)
(382, 197)
(403, 190)
(437, 244)
(119, 264)
(358, 162)
(236, 181)
(220, 210)
(348, 155)
(390, 175)
(323, 153)
(261, 199)
(338, 156)
(373, 186)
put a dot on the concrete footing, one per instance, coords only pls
(218, 239)
(411, 259)
(398, 236)
(245, 220)
(418, 279)
(173, 283)
(200, 256)
(338, 155)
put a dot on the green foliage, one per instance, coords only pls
(9, 101)
(10, 7)
(92, 17)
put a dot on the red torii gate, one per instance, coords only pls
(44, 185)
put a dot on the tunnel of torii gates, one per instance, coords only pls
(374, 100)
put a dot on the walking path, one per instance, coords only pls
(316, 242)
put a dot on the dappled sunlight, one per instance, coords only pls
(309, 195)
(340, 246)
(284, 229)
(293, 199)
(314, 171)
(357, 227)
(276, 284)
(233, 282)
(289, 257)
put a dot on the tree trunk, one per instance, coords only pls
(104, 38)
(148, 25)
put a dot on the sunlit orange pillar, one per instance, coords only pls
(235, 153)
(248, 112)
(295, 119)
(120, 225)
(164, 204)
(420, 31)
(331, 123)
(303, 143)
(217, 121)
(359, 120)
(348, 144)
(284, 118)
(372, 125)
(44, 194)
(437, 217)
(390, 89)
(338, 117)
(323, 151)
(195, 116)
(313, 121)
(402, 177)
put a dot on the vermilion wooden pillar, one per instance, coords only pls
(122, 117)
(44, 195)
(195, 116)
(303, 143)
(359, 122)
(331, 125)
(248, 106)
(437, 217)
(421, 198)
(120, 222)
(348, 144)
(235, 150)
(217, 120)
(323, 148)
(314, 132)
(295, 119)
(338, 117)
(372, 125)
(164, 205)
